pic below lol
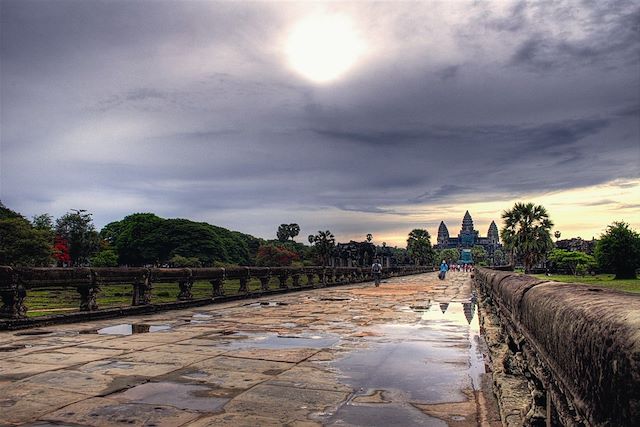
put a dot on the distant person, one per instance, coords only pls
(376, 271)
(443, 270)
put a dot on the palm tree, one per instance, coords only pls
(527, 233)
(324, 243)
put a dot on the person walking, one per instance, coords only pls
(443, 270)
(376, 271)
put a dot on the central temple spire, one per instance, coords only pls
(467, 222)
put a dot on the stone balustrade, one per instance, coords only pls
(576, 349)
(15, 284)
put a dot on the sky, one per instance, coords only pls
(357, 117)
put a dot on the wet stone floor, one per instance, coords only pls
(407, 353)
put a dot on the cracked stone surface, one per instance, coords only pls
(406, 353)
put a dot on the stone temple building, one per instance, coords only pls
(468, 238)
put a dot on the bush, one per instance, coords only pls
(107, 258)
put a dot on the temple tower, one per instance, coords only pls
(443, 234)
(467, 223)
(492, 234)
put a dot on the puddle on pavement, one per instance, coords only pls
(382, 415)
(127, 329)
(266, 304)
(277, 341)
(181, 396)
(430, 361)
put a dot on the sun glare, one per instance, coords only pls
(323, 48)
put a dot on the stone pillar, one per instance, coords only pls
(243, 286)
(295, 278)
(142, 291)
(264, 283)
(309, 275)
(88, 295)
(217, 287)
(185, 290)
(13, 294)
(282, 279)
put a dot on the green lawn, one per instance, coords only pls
(43, 302)
(604, 280)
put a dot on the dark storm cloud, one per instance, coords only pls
(190, 109)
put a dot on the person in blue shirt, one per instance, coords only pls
(443, 270)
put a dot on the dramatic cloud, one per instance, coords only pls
(191, 109)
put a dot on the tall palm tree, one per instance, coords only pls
(527, 233)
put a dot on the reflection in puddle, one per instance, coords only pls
(430, 361)
(130, 329)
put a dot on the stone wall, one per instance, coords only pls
(563, 354)
(16, 284)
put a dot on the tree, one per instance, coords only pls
(185, 262)
(450, 255)
(275, 256)
(499, 258)
(61, 251)
(369, 237)
(574, 261)
(76, 227)
(419, 247)
(479, 255)
(105, 258)
(527, 233)
(324, 242)
(286, 231)
(557, 235)
(618, 250)
(23, 245)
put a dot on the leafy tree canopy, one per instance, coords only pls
(272, 255)
(323, 242)
(145, 238)
(618, 250)
(574, 261)
(419, 247)
(77, 228)
(287, 231)
(21, 244)
(526, 233)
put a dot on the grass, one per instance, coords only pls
(42, 302)
(604, 280)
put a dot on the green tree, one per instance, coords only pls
(419, 247)
(479, 255)
(574, 261)
(527, 233)
(105, 258)
(618, 250)
(450, 255)
(324, 242)
(138, 239)
(23, 245)
(185, 262)
(76, 227)
(287, 231)
(499, 257)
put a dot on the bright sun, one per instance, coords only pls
(323, 48)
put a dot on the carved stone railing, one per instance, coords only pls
(15, 283)
(575, 349)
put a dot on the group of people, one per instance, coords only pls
(444, 267)
(376, 270)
